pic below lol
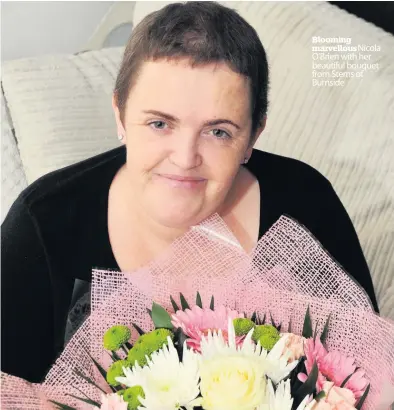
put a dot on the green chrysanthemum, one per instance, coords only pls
(116, 370)
(242, 326)
(147, 344)
(131, 397)
(267, 335)
(115, 337)
(268, 342)
(137, 354)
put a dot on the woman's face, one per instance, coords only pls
(187, 130)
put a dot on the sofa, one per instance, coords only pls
(56, 110)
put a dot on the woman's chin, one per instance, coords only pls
(179, 217)
(175, 208)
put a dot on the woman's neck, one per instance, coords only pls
(149, 227)
(136, 238)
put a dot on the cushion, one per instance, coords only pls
(61, 107)
(13, 178)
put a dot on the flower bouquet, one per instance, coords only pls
(282, 328)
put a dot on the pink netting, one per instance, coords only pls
(287, 271)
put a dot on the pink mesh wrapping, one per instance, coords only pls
(287, 271)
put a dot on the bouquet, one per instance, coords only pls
(282, 328)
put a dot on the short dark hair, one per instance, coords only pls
(204, 32)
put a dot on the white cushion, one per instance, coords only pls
(13, 179)
(61, 107)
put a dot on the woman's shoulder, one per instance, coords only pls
(285, 173)
(84, 176)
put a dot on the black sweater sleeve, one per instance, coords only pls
(336, 233)
(27, 337)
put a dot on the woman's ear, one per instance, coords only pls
(119, 125)
(255, 136)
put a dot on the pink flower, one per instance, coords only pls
(336, 398)
(333, 366)
(197, 322)
(294, 347)
(113, 402)
(321, 405)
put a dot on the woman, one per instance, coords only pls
(190, 101)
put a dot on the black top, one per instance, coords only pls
(56, 232)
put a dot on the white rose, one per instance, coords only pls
(232, 383)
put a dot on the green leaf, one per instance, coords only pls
(324, 334)
(212, 304)
(62, 406)
(113, 360)
(161, 318)
(277, 327)
(89, 380)
(347, 379)
(272, 320)
(115, 356)
(290, 326)
(184, 303)
(91, 402)
(362, 398)
(180, 339)
(99, 367)
(198, 300)
(262, 321)
(174, 305)
(110, 355)
(254, 317)
(315, 332)
(307, 331)
(320, 395)
(310, 383)
(138, 329)
(84, 394)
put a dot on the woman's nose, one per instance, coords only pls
(185, 151)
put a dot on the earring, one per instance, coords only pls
(120, 137)
(246, 160)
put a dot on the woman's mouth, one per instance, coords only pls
(179, 181)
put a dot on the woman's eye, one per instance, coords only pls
(220, 134)
(159, 125)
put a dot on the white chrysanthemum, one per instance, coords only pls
(278, 367)
(215, 345)
(167, 383)
(281, 398)
(274, 363)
